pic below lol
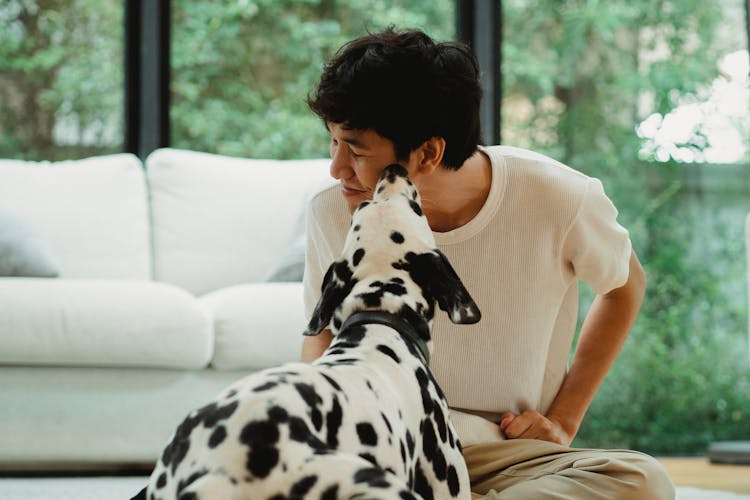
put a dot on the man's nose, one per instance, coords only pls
(340, 165)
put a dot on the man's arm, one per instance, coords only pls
(603, 333)
(313, 347)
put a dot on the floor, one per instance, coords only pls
(700, 473)
(696, 479)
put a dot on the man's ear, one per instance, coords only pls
(437, 278)
(337, 283)
(430, 155)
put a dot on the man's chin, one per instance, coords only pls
(354, 201)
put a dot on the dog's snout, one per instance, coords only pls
(394, 179)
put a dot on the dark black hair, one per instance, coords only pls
(407, 88)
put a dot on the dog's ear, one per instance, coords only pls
(437, 278)
(337, 283)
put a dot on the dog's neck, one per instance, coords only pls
(411, 329)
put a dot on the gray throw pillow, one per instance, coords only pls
(291, 266)
(23, 252)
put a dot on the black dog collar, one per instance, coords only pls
(405, 328)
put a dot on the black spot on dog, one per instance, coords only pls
(367, 434)
(182, 485)
(406, 495)
(422, 379)
(415, 206)
(372, 299)
(369, 458)
(363, 205)
(357, 257)
(356, 228)
(332, 493)
(410, 443)
(217, 437)
(215, 414)
(421, 485)
(372, 476)
(258, 433)
(262, 459)
(440, 422)
(429, 440)
(264, 387)
(333, 423)
(299, 431)
(353, 334)
(387, 423)
(388, 352)
(161, 482)
(301, 487)
(278, 414)
(453, 485)
(333, 383)
(397, 237)
(439, 465)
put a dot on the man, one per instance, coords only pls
(520, 229)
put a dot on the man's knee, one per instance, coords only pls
(651, 480)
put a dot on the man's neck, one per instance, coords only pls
(452, 198)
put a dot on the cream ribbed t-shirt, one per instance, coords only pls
(543, 227)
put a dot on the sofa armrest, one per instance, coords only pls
(256, 325)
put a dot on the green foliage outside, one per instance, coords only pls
(61, 78)
(578, 78)
(242, 73)
(576, 82)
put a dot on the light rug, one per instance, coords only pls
(123, 488)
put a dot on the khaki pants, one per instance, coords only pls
(529, 469)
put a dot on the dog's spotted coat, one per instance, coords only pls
(367, 419)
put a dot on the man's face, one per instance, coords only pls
(357, 158)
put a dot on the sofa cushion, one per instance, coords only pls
(93, 213)
(101, 323)
(256, 325)
(220, 221)
(23, 252)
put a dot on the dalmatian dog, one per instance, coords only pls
(367, 419)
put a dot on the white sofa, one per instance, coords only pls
(163, 296)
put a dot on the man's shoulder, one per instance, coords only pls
(538, 172)
(327, 197)
(328, 208)
(528, 161)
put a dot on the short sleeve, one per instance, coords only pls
(327, 221)
(596, 247)
(312, 277)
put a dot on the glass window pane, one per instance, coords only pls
(241, 71)
(61, 78)
(652, 98)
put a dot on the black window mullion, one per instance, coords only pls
(479, 24)
(147, 32)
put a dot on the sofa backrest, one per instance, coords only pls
(219, 221)
(92, 213)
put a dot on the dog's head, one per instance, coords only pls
(390, 263)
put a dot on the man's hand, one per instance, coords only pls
(533, 425)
